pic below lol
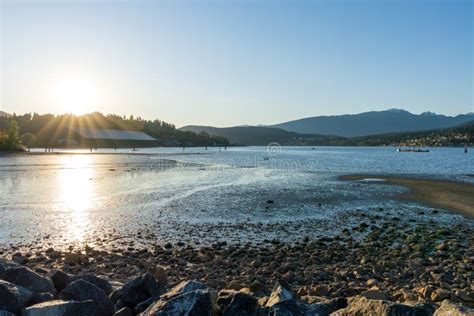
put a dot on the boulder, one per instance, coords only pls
(184, 287)
(236, 303)
(42, 297)
(13, 297)
(196, 302)
(64, 308)
(440, 294)
(449, 308)
(259, 288)
(360, 305)
(81, 291)
(281, 292)
(465, 296)
(334, 304)
(29, 279)
(292, 307)
(224, 297)
(60, 279)
(425, 292)
(296, 307)
(101, 283)
(142, 306)
(5, 265)
(373, 294)
(139, 290)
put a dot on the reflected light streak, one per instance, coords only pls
(76, 193)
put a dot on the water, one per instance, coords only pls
(205, 194)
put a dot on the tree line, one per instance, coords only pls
(39, 130)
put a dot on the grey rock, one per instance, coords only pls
(81, 291)
(97, 281)
(449, 308)
(29, 279)
(333, 305)
(184, 287)
(64, 308)
(281, 292)
(139, 290)
(465, 296)
(360, 305)
(5, 265)
(14, 297)
(42, 297)
(295, 307)
(439, 295)
(236, 303)
(142, 306)
(193, 303)
(375, 295)
(60, 279)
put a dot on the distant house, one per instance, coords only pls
(96, 137)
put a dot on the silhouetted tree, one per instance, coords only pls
(28, 140)
(13, 140)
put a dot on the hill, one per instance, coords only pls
(255, 135)
(252, 135)
(4, 114)
(373, 123)
(52, 130)
(245, 135)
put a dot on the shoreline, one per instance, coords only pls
(393, 263)
(451, 195)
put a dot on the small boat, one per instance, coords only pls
(412, 150)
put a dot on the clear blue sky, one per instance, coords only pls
(226, 63)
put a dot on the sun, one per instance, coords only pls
(76, 96)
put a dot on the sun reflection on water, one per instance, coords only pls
(76, 193)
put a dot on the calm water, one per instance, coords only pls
(169, 192)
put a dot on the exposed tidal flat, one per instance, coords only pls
(246, 220)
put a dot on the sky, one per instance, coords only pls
(225, 63)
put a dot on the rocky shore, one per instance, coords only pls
(381, 266)
(26, 292)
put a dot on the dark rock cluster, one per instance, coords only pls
(56, 293)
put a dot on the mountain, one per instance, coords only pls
(244, 135)
(252, 135)
(372, 123)
(256, 135)
(4, 114)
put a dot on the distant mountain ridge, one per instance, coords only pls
(254, 136)
(4, 114)
(373, 123)
(245, 135)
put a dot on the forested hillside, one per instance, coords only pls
(49, 128)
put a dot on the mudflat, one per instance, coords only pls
(450, 195)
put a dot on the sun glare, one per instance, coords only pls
(77, 192)
(76, 96)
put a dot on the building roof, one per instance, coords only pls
(96, 133)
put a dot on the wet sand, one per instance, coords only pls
(450, 195)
